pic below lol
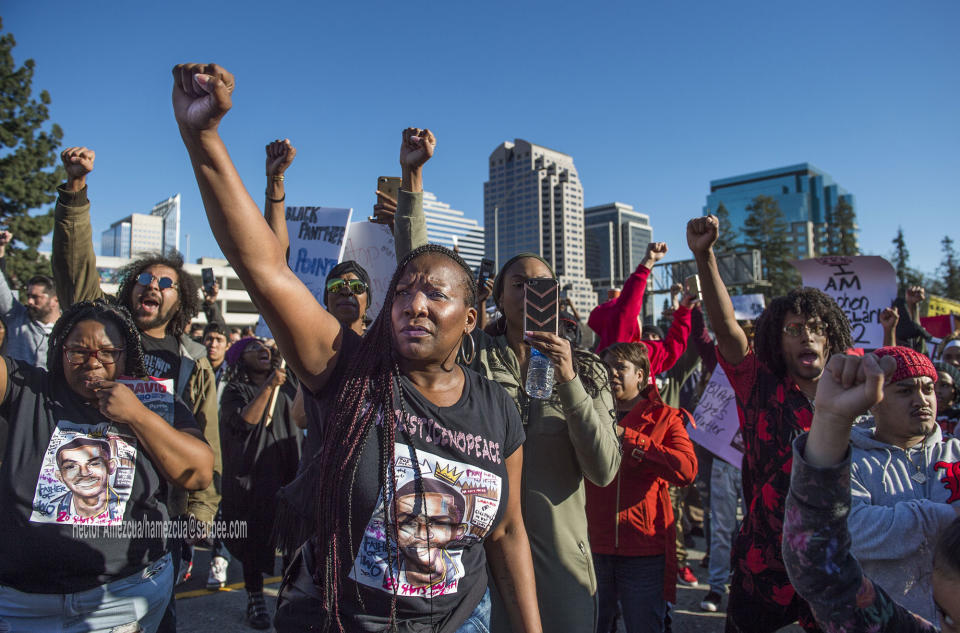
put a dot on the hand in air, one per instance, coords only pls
(702, 232)
(202, 95)
(280, 155)
(77, 161)
(889, 318)
(850, 385)
(417, 147)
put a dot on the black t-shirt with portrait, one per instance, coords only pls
(451, 478)
(161, 356)
(60, 451)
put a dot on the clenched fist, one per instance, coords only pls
(78, 162)
(655, 252)
(417, 147)
(702, 233)
(202, 94)
(280, 155)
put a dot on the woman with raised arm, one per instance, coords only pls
(417, 454)
(87, 470)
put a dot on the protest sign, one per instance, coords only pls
(941, 326)
(747, 307)
(718, 425)
(316, 245)
(863, 286)
(371, 246)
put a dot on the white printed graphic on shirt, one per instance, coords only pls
(452, 506)
(86, 475)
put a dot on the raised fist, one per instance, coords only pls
(201, 95)
(915, 294)
(889, 318)
(850, 385)
(655, 252)
(280, 155)
(417, 147)
(78, 161)
(702, 233)
(5, 238)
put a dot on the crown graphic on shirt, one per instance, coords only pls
(449, 475)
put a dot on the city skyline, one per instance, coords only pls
(654, 101)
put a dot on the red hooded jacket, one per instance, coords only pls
(633, 516)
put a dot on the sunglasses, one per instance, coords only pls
(817, 328)
(106, 356)
(145, 279)
(356, 286)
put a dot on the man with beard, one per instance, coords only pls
(775, 384)
(162, 298)
(28, 326)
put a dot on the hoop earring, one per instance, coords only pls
(473, 350)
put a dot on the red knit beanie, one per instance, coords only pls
(910, 364)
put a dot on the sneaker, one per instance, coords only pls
(685, 577)
(257, 616)
(186, 567)
(711, 602)
(218, 573)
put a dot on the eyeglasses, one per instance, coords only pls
(145, 279)
(106, 356)
(356, 286)
(816, 328)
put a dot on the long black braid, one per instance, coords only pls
(369, 390)
(102, 312)
(811, 303)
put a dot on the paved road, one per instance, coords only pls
(199, 611)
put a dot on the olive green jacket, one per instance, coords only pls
(75, 275)
(569, 437)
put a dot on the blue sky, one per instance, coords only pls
(653, 100)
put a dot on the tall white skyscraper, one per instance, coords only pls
(158, 231)
(169, 210)
(617, 239)
(444, 225)
(533, 202)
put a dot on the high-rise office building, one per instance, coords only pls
(140, 232)
(169, 210)
(136, 233)
(616, 241)
(446, 225)
(533, 202)
(806, 195)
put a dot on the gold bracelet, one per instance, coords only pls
(277, 178)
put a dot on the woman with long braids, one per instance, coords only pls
(261, 450)
(418, 455)
(83, 458)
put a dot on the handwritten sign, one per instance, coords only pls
(718, 426)
(862, 286)
(747, 307)
(316, 245)
(371, 246)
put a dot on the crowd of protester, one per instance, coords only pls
(404, 473)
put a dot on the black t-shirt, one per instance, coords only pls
(444, 513)
(162, 357)
(60, 452)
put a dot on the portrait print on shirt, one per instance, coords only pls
(450, 506)
(86, 476)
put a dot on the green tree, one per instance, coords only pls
(901, 259)
(29, 150)
(728, 239)
(949, 270)
(766, 229)
(843, 230)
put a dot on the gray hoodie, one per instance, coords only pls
(895, 520)
(26, 338)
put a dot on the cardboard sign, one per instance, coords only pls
(747, 307)
(371, 246)
(316, 245)
(718, 425)
(862, 286)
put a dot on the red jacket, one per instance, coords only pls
(615, 321)
(633, 516)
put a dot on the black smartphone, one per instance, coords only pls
(484, 272)
(206, 275)
(541, 305)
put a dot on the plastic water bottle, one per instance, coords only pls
(539, 376)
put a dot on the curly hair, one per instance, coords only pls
(811, 303)
(102, 312)
(368, 390)
(188, 290)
